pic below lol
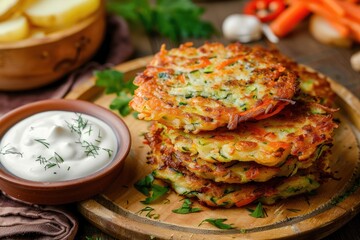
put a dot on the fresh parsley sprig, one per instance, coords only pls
(176, 20)
(113, 81)
(259, 211)
(186, 208)
(153, 191)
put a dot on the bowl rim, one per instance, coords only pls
(57, 35)
(121, 132)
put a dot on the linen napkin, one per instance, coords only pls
(20, 220)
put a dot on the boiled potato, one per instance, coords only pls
(355, 61)
(322, 31)
(8, 7)
(14, 29)
(59, 13)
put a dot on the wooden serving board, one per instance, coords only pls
(117, 211)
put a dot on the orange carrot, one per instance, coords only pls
(278, 145)
(228, 62)
(351, 9)
(252, 173)
(264, 104)
(334, 6)
(246, 201)
(354, 27)
(289, 19)
(330, 16)
(203, 62)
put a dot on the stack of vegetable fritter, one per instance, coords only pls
(234, 124)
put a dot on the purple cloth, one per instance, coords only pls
(20, 220)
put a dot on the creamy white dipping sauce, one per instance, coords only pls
(57, 146)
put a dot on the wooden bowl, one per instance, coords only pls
(61, 192)
(35, 62)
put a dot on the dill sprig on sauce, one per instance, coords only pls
(109, 151)
(10, 150)
(43, 142)
(90, 148)
(82, 126)
(79, 124)
(51, 161)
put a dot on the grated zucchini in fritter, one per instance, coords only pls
(296, 131)
(228, 195)
(212, 86)
(163, 152)
(235, 124)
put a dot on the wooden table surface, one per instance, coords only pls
(331, 61)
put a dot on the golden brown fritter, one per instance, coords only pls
(311, 82)
(296, 131)
(163, 152)
(228, 195)
(212, 86)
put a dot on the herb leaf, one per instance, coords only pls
(149, 213)
(147, 187)
(113, 81)
(121, 103)
(186, 208)
(157, 191)
(144, 185)
(259, 211)
(176, 20)
(218, 222)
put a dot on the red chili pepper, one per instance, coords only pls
(265, 10)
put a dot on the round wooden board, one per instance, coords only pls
(117, 211)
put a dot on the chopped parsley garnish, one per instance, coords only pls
(153, 191)
(163, 75)
(259, 211)
(157, 192)
(186, 208)
(113, 81)
(149, 212)
(218, 222)
(208, 69)
(144, 185)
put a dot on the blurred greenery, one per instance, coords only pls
(174, 19)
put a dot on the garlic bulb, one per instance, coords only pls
(243, 28)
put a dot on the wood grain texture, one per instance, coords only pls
(117, 210)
